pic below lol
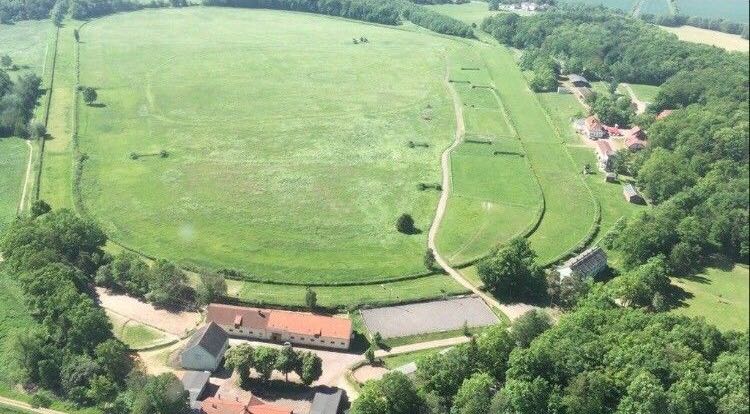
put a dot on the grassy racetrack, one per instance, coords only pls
(287, 149)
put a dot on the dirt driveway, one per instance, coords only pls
(175, 323)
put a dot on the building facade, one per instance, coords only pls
(205, 349)
(282, 326)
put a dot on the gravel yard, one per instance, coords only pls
(428, 317)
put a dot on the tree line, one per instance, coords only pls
(598, 359)
(265, 360)
(17, 102)
(711, 23)
(71, 353)
(602, 45)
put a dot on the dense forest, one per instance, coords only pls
(600, 359)
(72, 353)
(17, 102)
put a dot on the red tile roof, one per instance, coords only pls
(293, 322)
(227, 315)
(309, 324)
(663, 114)
(214, 405)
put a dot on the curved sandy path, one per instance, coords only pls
(640, 106)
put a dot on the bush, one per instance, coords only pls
(41, 398)
(405, 224)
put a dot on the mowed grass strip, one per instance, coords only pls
(570, 210)
(57, 164)
(287, 149)
(429, 287)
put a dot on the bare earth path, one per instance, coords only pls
(640, 106)
(24, 406)
(22, 204)
(511, 311)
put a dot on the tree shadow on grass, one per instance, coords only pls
(677, 297)
(97, 105)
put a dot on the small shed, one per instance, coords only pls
(578, 81)
(324, 403)
(563, 90)
(632, 195)
(205, 349)
(195, 383)
(611, 177)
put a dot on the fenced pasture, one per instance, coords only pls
(287, 149)
(472, 12)
(494, 196)
(26, 43)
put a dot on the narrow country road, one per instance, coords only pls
(24, 406)
(640, 106)
(22, 204)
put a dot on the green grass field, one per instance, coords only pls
(14, 318)
(289, 162)
(718, 295)
(348, 296)
(13, 158)
(395, 361)
(26, 43)
(570, 209)
(734, 10)
(646, 93)
(473, 12)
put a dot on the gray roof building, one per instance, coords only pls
(578, 80)
(327, 403)
(587, 264)
(195, 383)
(632, 195)
(205, 349)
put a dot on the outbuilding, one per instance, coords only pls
(578, 81)
(195, 383)
(324, 403)
(205, 349)
(593, 128)
(632, 195)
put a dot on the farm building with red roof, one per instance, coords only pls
(217, 405)
(593, 128)
(282, 326)
(663, 114)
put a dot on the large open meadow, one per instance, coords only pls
(287, 153)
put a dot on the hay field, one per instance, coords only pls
(472, 12)
(287, 149)
(734, 10)
(726, 41)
